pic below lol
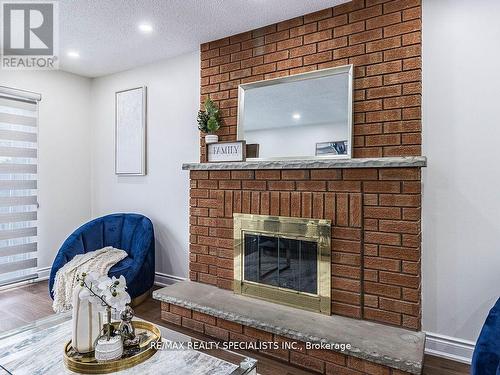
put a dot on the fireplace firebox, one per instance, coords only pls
(283, 259)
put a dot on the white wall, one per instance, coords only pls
(64, 154)
(163, 194)
(461, 135)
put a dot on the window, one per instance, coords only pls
(18, 185)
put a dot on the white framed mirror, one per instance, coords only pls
(304, 116)
(130, 132)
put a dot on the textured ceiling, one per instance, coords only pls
(105, 32)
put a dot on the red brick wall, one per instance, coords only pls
(381, 38)
(375, 215)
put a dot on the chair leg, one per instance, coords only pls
(140, 299)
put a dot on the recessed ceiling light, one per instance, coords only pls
(145, 28)
(296, 116)
(73, 54)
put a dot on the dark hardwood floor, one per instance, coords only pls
(24, 304)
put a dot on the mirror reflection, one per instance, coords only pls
(307, 115)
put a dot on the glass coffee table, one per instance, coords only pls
(37, 349)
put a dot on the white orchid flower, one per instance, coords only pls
(104, 282)
(122, 282)
(120, 301)
(119, 283)
(111, 290)
(117, 298)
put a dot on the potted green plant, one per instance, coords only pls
(209, 121)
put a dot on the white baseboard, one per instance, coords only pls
(43, 273)
(163, 279)
(449, 347)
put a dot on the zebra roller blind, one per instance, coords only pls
(18, 185)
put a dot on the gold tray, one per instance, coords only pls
(87, 364)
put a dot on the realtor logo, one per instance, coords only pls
(29, 35)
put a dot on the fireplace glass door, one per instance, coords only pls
(285, 260)
(287, 263)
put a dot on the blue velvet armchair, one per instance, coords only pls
(130, 232)
(486, 358)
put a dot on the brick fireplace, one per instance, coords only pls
(374, 206)
(375, 215)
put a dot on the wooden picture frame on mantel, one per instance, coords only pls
(228, 151)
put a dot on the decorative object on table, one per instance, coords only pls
(108, 349)
(146, 334)
(226, 151)
(132, 233)
(252, 150)
(87, 323)
(126, 328)
(209, 121)
(130, 132)
(331, 148)
(105, 294)
(36, 349)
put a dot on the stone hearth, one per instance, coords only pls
(375, 348)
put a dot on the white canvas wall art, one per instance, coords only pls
(130, 132)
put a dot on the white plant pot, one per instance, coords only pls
(109, 350)
(211, 138)
(86, 322)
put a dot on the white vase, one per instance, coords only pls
(211, 138)
(87, 323)
(108, 350)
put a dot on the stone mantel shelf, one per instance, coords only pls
(390, 346)
(385, 162)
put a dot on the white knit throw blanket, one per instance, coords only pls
(65, 281)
